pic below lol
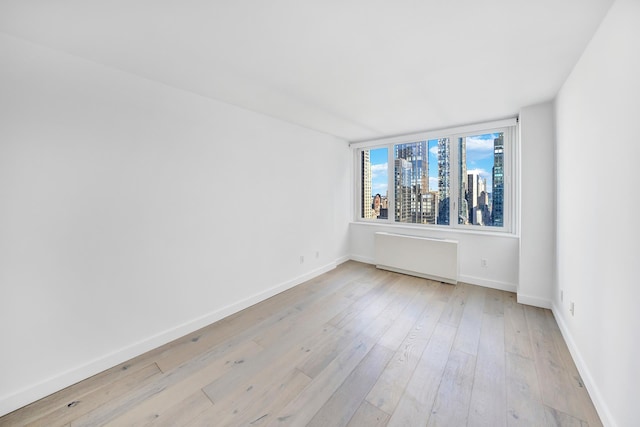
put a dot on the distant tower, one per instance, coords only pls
(366, 185)
(463, 206)
(430, 211)
(444, 180)
(473, 186)
(418, 157)
(482, 184)
(403, 194)
(484, 214)
(497, 192)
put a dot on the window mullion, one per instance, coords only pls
(454, 190)
(391, 191)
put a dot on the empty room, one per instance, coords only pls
(305, 213)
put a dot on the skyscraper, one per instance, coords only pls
(463, 206)
(414, 177)
(444, 180)
(402, 180)
(497, 208)
(430, 207)
(473, 193)
(483, 207)
(484, 212)
(366, 185)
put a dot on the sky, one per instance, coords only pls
(479, 159)
(378, 158)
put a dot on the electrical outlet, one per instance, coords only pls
(317, 254)
(572, 309)
(301, 259)
(483, 263)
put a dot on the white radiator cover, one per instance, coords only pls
(430, 258)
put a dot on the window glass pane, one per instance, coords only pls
(375, 178)
(481, 180)
(421, 181)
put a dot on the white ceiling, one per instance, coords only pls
(353, 68)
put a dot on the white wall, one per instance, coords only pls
(597, 111)
(537, 205)
(133, 213)
(500, 251)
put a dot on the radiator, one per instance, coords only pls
(435, 259)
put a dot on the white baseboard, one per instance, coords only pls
(494, 284)
(585, 373)
(22, 397)
(534, 301)
(363, 259)
(343, 259)
(487, 283)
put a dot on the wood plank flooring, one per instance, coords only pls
(354, 347)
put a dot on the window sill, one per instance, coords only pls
(425, 229)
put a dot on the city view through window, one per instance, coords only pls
(421, 181)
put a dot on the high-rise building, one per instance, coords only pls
(444, 180)
(483, 207)
(473, 184)
(402, 180)
(497, 192)
(482, 185)
(366, 185)
(417, 180)
(430, 207)
(463, 206)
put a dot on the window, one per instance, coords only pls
(421, 181)
(374, 203)
(459, 178)
(481, 182)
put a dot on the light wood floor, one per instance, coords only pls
(354, 347)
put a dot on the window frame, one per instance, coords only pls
(509, 128)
